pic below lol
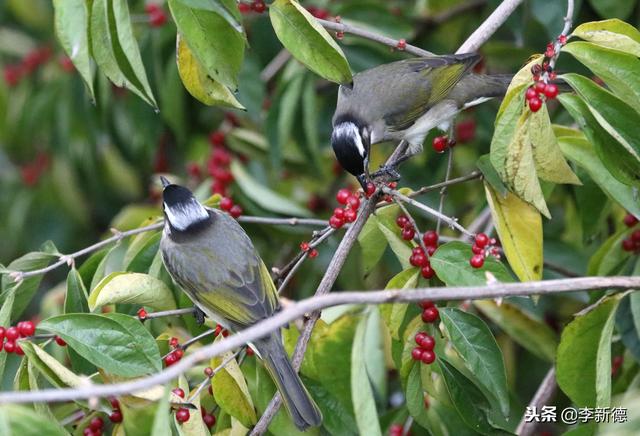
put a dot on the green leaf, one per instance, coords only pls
(506, 125)
(132, 288)
(55, 372)
(216, 44)
(626, 317)
(583, 153)
(621, 71)
(5, 319)
(490, 175)
(72, 30)
(612, 8)
(141, 251)
(519, 227)
(231, 392)
(583, 363)
(199, 84)
(227, 9)
(262, 195)
(473, 341)
(614, 115)
(23, 421)
(75, 301)
(193, 427)
(612, 33)
(308, 41)
(386, 220)
(161, 421)
(363, 397)
(466, 397)
(531, 333)
(336, 419)
(615, 157)
(394, 314)
(609, 258)
(110, 25)
(451, 264)
(117, 343)
(372, 243)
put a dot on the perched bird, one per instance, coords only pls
(210, 256)
(404, 100)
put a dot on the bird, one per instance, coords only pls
(209, 255)
(403, 101)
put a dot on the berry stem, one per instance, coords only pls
(418, 236)
(443, 190)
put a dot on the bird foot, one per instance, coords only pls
(199, 315)
(388, 172)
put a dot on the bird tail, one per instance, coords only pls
(298, 402)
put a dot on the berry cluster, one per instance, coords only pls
(419, 258)
(424, 351)
(94, 428)
(226, 204)
(257, 6)
(441, 143)
(632, 243)
(482, 247)
(311, 252)
(176, 352)
(348, 214)
(116, 413)
(14, 73)
(538, 92)
(156, 15)
(23, 329)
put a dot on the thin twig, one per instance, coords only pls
(319, 302)
(275, 65)
(217, 369)
(418, 235)
(173, 312)
(568, 22)
(542, 397)
(358, 31)
(489, 26)
(471, 176)
(443, 191)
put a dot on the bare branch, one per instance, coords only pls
(489, 27)
(471, 176)
(319, 302)
(542, 397)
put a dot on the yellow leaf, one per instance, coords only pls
(198, 83)
(519, 227)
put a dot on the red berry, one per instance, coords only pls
(371, 189)
(28, 328)
(304, 246)
(60, 341)
(218, 330)
(250, 351)
(628, 245)
(179, 352)
(88, 432)
(408, 233)
(427, 342)
(244, 8)
(551, 91)
(531, 93)
(151, 7)
(402, 221)
(12, 334)
(339, 35)
(209, 420)
(477, 260)
(235, 211)
(338, 212)
(350, 215)
(142, 314)
(9, 346)
(635, 237)
(258, 6)
(18, 349)
(539, 87)
(182, 415)
(396, 430)
(343, 195)
(549, 53)
(208, 371)
(2, 333)
(419, 337)
(170, 359)
(428, 357)
(630, 220)
(439, 143)
(425, 304)
(427, 272)
(336, 222)
(416, 353)
(313, 253)
(430, 250)
(115, 404)
(157, 18)
(482, 240)
(353, 201)
(392, 185)
(465, 131)
(418, 259)
(12, 74)
(402, 44)
(417, 250)
(430, 314)
(217, 138)
(220, 155)
(535, 104)
(116, 416)
(179, 392)
(96, 423)
(173, 342)
(430, 238)
(562, 39)
(476, 249)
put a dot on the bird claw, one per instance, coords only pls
(389, 171)
(199, 315)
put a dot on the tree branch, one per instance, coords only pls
(489, 27)
(319, 302)
(542, 397)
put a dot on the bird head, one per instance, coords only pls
(350, 141)
(180, 207)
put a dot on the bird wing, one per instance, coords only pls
(412, 86)
(222, 272)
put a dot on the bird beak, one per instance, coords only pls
(164, 181)
(363, 180)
